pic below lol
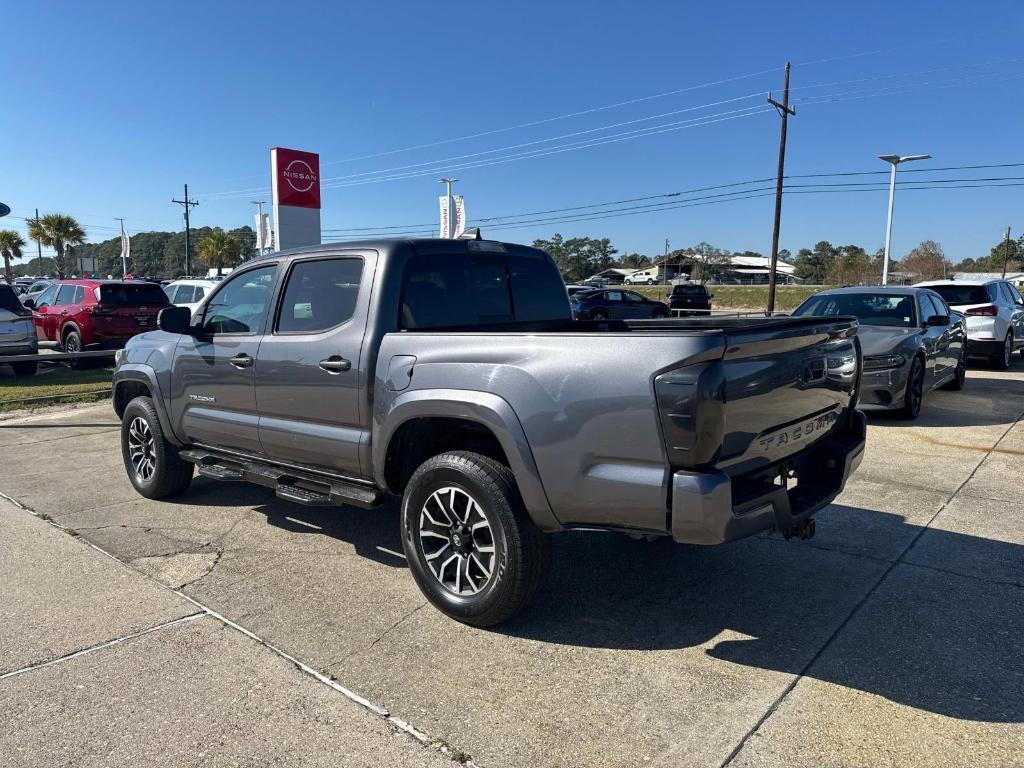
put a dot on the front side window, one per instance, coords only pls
(46, 297)
(883, 309)
(1017, 298)
(319, 295)
(240, 306)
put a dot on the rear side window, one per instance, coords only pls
(460, 290)
(65, 295)
(79, 294)
(319, 295)
(962, 294)
(131, 294)
(8, 300)
(185, 294)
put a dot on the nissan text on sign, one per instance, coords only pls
(296, 188)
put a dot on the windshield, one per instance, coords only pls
(131, 294)
(962, 294)
(885, 309)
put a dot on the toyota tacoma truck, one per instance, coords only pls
(451, 374)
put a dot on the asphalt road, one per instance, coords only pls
(894, 637)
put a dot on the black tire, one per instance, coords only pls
(650, 281)
(72, 342)
(599, 314)
(166, 474)
(1001, 360)
(914, 395)
(659, 314)
(519, 554)
(957, 383)
(27, 368)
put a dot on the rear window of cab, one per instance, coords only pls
(129, 295)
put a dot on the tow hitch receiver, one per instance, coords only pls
(803, 530)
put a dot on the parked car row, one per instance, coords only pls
(615, 304)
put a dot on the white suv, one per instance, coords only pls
(995, 316)
(189, 292)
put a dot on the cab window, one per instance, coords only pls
(240, 304)
(319, 295)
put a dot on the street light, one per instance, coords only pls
(893, 160)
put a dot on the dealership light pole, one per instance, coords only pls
(893, 160)
(451, 208)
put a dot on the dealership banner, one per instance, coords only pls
(460, 215)
(443, 201)
(264, 239)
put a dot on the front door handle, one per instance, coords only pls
(241, 361)
(335, 364)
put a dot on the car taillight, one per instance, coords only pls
(690, 404)
(99, 310)
(988, 309)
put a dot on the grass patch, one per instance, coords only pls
(56, 380)
(754, 297)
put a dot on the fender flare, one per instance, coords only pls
(72, 325)
(484, 408)
(134, 372)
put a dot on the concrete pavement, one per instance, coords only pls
(892, 638)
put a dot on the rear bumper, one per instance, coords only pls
(712, 508)
(978, 348)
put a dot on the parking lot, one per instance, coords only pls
(894, 637)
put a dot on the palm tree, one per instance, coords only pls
(11, 244)
(60, 232)
(219, 249)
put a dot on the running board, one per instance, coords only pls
(290, 484)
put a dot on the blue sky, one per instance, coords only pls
(110, 108)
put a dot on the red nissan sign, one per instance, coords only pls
(297, 177)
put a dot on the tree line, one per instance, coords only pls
(153, 254)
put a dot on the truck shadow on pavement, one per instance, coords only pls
(942, 632)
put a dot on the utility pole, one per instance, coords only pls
(1006, 252)
(451, 208)
(39, 246)
(784, 112)
(186, 203)
(124, 256)
(260, 241)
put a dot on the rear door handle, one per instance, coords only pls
(241, 361)
(335, 364)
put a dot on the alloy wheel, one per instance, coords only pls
(915, 393)
(457, 541)
(141, 449)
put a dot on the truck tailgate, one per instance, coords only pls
(786, 387)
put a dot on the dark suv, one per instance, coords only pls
(689, 299)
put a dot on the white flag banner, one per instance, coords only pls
(460, 215)
(443, 202)
(126, 247)
(263, 238)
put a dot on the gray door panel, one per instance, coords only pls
(309, 374)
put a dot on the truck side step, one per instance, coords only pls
(288, 483)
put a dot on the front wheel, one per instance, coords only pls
(599, 315)
(471, 546)
(659, 314)
(26, 368)
(151, 461)
(914, 395)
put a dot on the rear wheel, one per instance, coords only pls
(151, 461)
(471, 546)
(27, 368)
(71, 344)
(659, 313)
(961, 373)
(914, 395)
(599, 314)
(1001, 360)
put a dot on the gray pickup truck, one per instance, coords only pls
(450, 373)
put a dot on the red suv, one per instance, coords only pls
(105, 313)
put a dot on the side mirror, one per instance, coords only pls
(29, 303)
(938, 320)
(174, 320)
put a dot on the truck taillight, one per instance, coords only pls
(691, 401)
(989, 309)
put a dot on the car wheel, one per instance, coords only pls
(914, 395)
(650, 281)
(27, 368)
(73, 343)
(961, 374)
(152, 462)
(659, 314)
(1001, 360)
(599, 314)
(471, 546)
